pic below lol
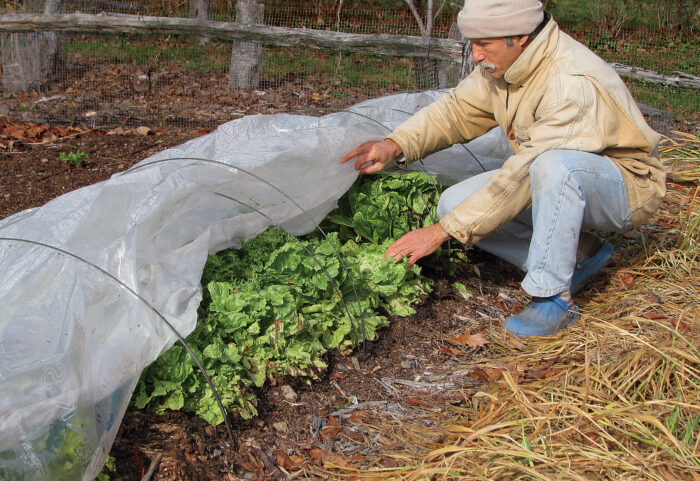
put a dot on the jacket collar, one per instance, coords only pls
(535, 54)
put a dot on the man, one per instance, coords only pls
(583, 158)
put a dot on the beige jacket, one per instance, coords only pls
(556, 95)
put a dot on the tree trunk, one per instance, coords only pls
(199, 10)
(30, 59)
(246, 57)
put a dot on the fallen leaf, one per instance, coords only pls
(357, 416)
(116, 131)
(543, 373)
(449, 351)
(472, 340)
(332, 428)
(355, 436)
(677, 324)
(623, 279)
(316, 456)
(388, 443)
(283, 460)
(280, 426)
(390, 462)
(17, 132)
(486, 374)
(653, 315)
(143, 130)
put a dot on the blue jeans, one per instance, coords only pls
(571, 191)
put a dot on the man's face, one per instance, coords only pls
(495, 56)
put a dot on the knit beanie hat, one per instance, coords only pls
(499, 18)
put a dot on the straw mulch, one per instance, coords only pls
(616, 396)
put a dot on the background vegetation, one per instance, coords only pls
(657, 35)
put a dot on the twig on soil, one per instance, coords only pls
(50, 99)
(388, 387)
(144, 148)
(421, 385)
(64, 138)
(368, 404)
(276, 473)
(152, 467)
(52, 174)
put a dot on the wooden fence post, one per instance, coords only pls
(246, 57)
(29, 59)
(199, 9)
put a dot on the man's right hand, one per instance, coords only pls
(378, 153)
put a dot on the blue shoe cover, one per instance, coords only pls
(546, 315)
(590, 267)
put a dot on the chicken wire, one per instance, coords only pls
(158, 80)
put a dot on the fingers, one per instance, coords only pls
(417, 244)
(375, 166)
(376, 154)
(403, 247)
(363, 148)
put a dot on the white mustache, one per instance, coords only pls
(487, 65)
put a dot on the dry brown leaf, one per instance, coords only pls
(283, 460)
(390, 462)
(486, 374)
(623, 279)
(388, 443)
(472, 340)
(316, 456)
(355, 436)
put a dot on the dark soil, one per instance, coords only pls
(295, 431)
(414, 362)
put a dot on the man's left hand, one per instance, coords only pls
(417, 244)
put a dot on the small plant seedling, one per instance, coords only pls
(76, 159)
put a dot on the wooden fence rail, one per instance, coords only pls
(382, 44)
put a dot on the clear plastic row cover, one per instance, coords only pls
(98, 282)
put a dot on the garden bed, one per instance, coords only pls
(414, 374)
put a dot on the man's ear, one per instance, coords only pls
(522, 40)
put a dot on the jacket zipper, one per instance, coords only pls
(507, 96)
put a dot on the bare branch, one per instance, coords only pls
(415, 13)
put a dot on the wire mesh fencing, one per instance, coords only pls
(186, 80)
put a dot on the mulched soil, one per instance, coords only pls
(302, 426)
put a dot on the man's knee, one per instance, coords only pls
(548, 168)
(454, 195)
(449, 199)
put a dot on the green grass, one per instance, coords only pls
(665, 54)
(662, 14)
(682, 104)
(354, 69)
(152, 51)
(324, 69)
(347, 70)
